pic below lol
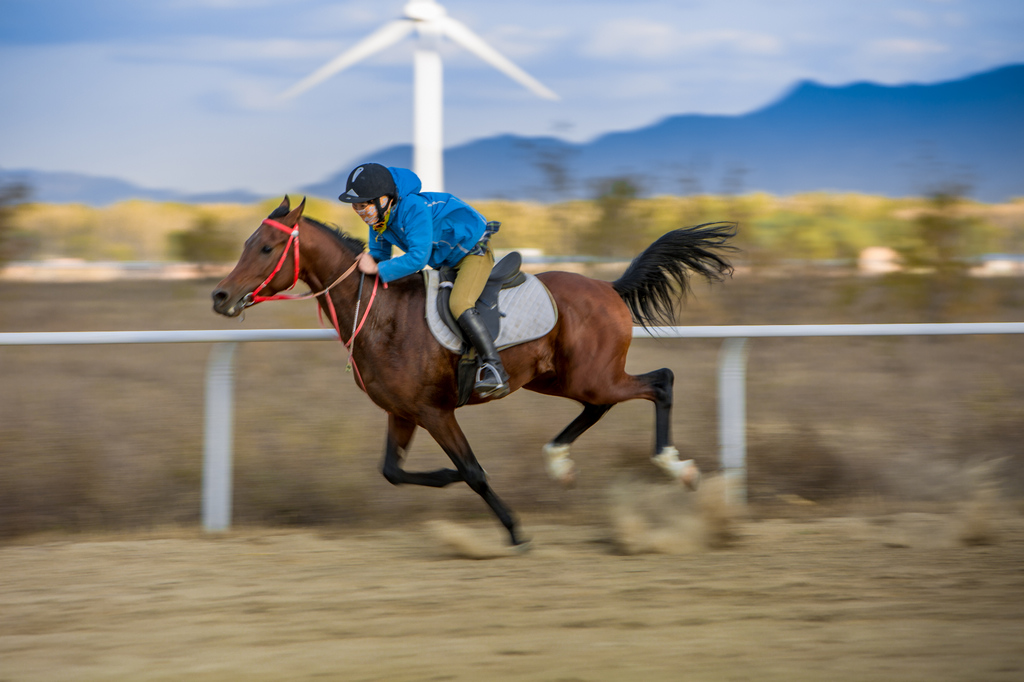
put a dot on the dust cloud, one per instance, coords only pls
(649, 518)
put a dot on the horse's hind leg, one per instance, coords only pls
(666, 455)
(399, 436)
(556, 453)
(660, 382)
(446, 431)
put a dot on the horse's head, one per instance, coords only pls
(266, 266)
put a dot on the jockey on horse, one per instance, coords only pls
(435, 229)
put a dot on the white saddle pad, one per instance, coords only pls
(528, 313)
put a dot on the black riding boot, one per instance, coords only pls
(491, 378)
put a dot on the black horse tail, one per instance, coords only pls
(661, 274)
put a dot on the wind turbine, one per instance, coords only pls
(431, 21)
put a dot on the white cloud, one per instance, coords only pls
(650, 40)
(632, 38)
(954, 19)
(211, 50)
(520, 42)
(743, 42)
(226, 4)
(341, 18)
(914, 18)
(905, 47)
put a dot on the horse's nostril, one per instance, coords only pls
(219, 296)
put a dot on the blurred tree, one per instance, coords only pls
(690, 174)
(691, 190)
(205, 242)
(733, 180)
(13, 244)
(616, 231)
(554, 165)
(941, 237)
(937, 251)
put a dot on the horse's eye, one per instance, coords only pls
(268, 248)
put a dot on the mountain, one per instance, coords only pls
(62, 188)
(888, 140)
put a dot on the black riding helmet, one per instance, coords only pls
(367, 183)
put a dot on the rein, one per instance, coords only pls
(253, 298)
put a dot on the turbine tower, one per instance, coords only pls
(432, 23)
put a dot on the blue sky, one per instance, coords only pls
(180, 94)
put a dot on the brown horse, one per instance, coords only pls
(413, 378)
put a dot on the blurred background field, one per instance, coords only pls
(111, 437)
(615, 223)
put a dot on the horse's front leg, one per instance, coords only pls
(399, 436)
(448, 434)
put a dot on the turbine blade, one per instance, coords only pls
(384, 37)
(459, 33)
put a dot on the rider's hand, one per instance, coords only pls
(367, 264)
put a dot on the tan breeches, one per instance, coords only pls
(473, 272)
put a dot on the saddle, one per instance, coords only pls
(504, 275)
(515, 307)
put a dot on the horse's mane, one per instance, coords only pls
(356, 246)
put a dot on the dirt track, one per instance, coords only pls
(891, 597)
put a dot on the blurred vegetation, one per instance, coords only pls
(942, 232)
(15, 243)
(154, 231)
(610, 233)
(941, 237)
(205, 242)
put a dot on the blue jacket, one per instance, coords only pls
(432, 228)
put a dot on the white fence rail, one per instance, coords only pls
(219, 406)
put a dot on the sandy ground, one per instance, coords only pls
(896, 596)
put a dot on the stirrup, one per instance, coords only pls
(493, 384)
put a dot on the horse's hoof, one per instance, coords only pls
(560, 466)
(566, 475)
(684, 471)
(690, 475)
(523, 546)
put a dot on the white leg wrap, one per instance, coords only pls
(684, 471)
(560, 466)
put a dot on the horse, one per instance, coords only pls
(408, 374)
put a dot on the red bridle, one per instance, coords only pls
(293, 244)
(293, 239)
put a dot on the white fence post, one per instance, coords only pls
(732, 418)
(220, 413)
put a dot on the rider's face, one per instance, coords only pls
(368, 210)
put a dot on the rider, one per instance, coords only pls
(435, 229)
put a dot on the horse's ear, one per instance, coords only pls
(293, 216)
(285, 204)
